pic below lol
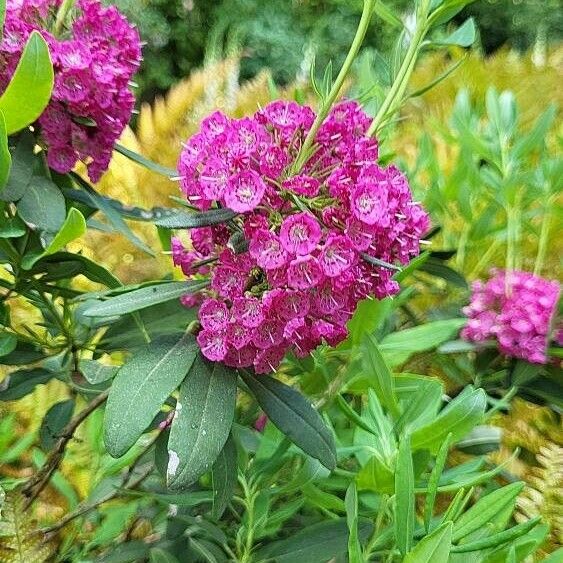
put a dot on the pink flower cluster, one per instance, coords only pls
(517, 310)
(310, 233)
(93, 61)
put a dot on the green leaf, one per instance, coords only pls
(437, 80)
(91, 270)
(368, 316)
(224, 477)
(145, 162)
(458, 418)
(319, 542)
(433, 548)
(463, 36)
(20, 383)
(8, 343)
(141, 386)
(379, 374)
(96, 372)
(57, 417)
(23, 163)
(29, 91)
(294, 415)
(2, 18)
(112, 215)
(434, 480)
(158, 555)
(73, 227)
(5, 157)
(537, 136)
(497, 539)
(404, 497)
(397, 347)
(183, 220)
(486, 509)
(387, 15)
(12, 228)
(437, 268)
(142, 298)
(354, 547)
(42, 206)
(202, 421)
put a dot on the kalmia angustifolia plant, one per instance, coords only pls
(294, 221)
(94, 60)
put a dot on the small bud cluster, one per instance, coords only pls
(517, 310)
(311, 232)
(93, 61)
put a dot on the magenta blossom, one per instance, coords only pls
(93, 61)
(517, 310)
(298, 281)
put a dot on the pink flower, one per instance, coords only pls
(336, 256)
(304, 272)
(213, 344)
(93, 63)
(300, 233)
(287, 273)
(516, 309)
(266, 248)
(213, 314)
(244, 191)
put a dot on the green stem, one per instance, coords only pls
(338, 83)
(65, 8)
(395, 95)
(544, 238)
(249, 504)
(485, 259)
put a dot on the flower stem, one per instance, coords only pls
(65, 8)
(336, 87)
(395, 95)
(544, 238)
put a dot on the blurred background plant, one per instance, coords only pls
(201, 56)
(284, 36)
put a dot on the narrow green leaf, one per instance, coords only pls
(352, 415)
(437, 268)
(142, 298)
(397, 347)
(438, 79)
(224, 477)
(404, 497)
(5, 156)
(534, 139)
(158, 555)
(115, 219)
(204, 415)
(387, 15)
(183, 220)
(142, 385)
(8, 343)
(485, 509)
(379, 374)
(29, 91)
(458, 418)
(42, 206)
(497, 539)
(354, 546)
(145, 162)
(433, 548)
(294, 415)
(55, 420)
(320, 542)
(22, 382)
(434, 480)
(2, 17)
